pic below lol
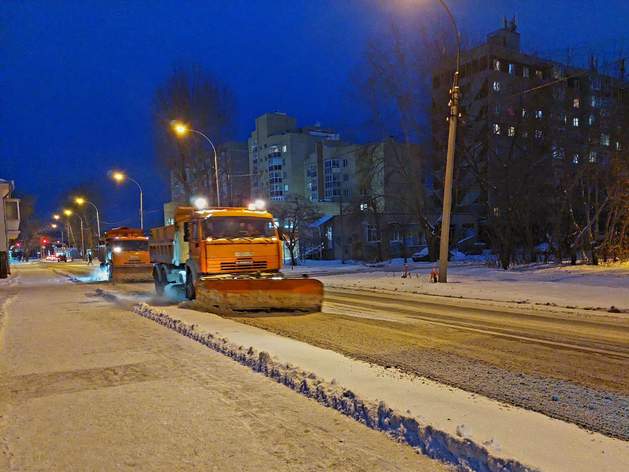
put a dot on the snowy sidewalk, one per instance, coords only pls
(506, 432)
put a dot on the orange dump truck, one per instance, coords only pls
(124, 254)
(228, 259)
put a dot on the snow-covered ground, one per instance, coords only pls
(449, 423)
(581, 286)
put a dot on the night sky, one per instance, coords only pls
(78, 77)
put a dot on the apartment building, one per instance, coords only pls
(9, 224)
(277, 152)
(509, 95)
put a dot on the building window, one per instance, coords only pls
(496, 64)
(496, 128)
(254, 145)
(525, 72)
(605, 139)
(538, 133)
(286, 187)
(496, 86)
(332, 166)
(539, 74)
(345, 192)
(575, 103)
(284, 148)
(591, 120)
(618, 146)
(372, 234)
(345, 162)
(332, 185)
(511, 68)
(593, 156)
(511, 131)
(575, 122)
(497, 109)
(345, 177)
(538, 114)
(523, 112)
(396, 236)
(575, 159)
(364, 207)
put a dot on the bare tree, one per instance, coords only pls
(293, 214)
(202, 102)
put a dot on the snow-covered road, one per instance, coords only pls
(86, 385)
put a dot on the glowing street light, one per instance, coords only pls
(181, 129)
(119, 176)
(67, 223)
(69, 213)
(80, 201)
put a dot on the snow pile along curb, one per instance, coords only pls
(459, 451)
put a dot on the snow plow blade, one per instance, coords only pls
(263, 294)
(132, 274)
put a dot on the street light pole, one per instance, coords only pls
(81, 201)
(119, 176)
(182, 129)
(68, 212)
(455, 98)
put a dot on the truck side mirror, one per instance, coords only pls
(186, 231)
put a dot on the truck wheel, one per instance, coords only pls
(190, 293)
(159, 285)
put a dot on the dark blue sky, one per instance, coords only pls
(78, 77)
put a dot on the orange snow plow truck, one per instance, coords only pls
(229, 259)
(124, 254)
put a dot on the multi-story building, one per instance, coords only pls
(514, 103)
(9, 224)
(277, 151)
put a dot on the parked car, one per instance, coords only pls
(52, 258)
(422, 256)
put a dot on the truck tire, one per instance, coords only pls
(159, 284)
(190, 292)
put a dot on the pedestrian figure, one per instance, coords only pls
(434, 275)
(89, 259)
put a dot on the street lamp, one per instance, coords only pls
(66, 222)
(80, 201)
(120, 177)
(455, 98)
(55, 226)
(69, 212)
(181, 129)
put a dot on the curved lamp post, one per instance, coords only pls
(69, 213)
(81, 201)
(119, 176)
(67, 223)
(455, 98)
(181, 129)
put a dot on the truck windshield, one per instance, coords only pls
(237, 227)
(131, 245)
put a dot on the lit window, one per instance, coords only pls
(496, 64)
(618, 146)
(511, 68)
(538, 114)
(511, 131)
(496, 86)
(284, 148)
(525, 72)
(575, 103)
(538, 133)
(575, 122)
(605, 139)
(539, 74)
(496, 128)
(591, 120)
(593, 156)
(575, 159)
(523, 112)
(364, 206)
